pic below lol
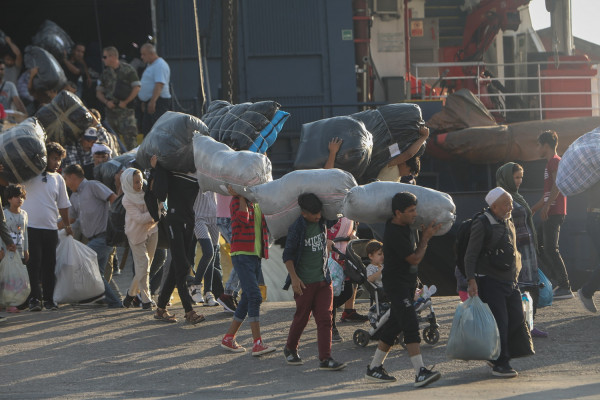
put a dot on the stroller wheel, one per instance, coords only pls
(361, 337)
(431, 335)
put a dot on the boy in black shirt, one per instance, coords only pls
(403, 251)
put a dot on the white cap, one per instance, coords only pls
(494, 195)
(101, 148)
(90, 134)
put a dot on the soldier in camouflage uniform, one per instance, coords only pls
(119, 85)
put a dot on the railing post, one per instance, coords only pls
(540, 90)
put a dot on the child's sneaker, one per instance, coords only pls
(196, 293)
(232, 345)
(34, 305)
(331, 365)
(260, 348)
(227, 302)
(379, 374)
(12, 309)
(209, 300)
(291, 357)
(426, 376)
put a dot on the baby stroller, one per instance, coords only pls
(355, 260)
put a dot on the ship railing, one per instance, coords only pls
(530, 101)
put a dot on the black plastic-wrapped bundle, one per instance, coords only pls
(54, 39)
(354, 154)
(23, 152)
(65, 118)
(394, 127)
(50, 74)
(106, 172)
(171, 140)
(239, 126)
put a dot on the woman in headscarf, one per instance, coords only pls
(142, 234)
(509, 177)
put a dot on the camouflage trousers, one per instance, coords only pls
(123, 121)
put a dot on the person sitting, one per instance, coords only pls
(374, 251)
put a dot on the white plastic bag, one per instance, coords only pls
(77, 274)
(337, 276)
(14, 280)
(217, 166)
(474, 334)
(372, 203)
(278, 200)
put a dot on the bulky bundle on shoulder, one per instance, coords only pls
(106, 172)
(372, 203)
(217, 166)
(50, 74)
(65, 118)
(171, 140)
(246, 126)
(278, 200)
(54, 39)
(23, 152)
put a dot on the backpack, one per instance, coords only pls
(464, 233)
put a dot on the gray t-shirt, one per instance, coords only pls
(11, 74)
(8, 90)
(89, 205)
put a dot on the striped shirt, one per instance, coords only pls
(205, 210)
(244, 238)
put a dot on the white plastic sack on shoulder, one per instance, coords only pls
(77, 274)
(278, 200)
(474, 334)
(217, 166)
(579, 167)
(14, 280)
(372, 204)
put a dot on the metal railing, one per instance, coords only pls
(533, 99)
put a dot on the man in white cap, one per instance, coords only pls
(81, 152)
(492, 266)
(101, 153)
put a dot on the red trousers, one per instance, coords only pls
(317, 299)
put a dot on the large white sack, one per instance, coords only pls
(372, 203)
(217, 166)
(278, 199)
(579, 167)
(275, 273)
(77, 274)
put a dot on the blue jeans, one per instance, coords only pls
(249, 271)
(103, 251)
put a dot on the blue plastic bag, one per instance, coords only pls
(337, 276)
(474, 334)
(546, 293)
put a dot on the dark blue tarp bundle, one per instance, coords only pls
(246, 126)
(54, 39)
(50, 74)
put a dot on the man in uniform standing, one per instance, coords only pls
(119, 85)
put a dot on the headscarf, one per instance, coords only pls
(505, 179)
(127, 185)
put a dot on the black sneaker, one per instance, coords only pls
(426, 376)
(34, 305)
(50, 305)
(504, 371)
(292, 358)
(331, 365)
(379, 374)
(335, 336)
(353, 316)
(227, 302)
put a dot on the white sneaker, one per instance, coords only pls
(196, 293)
(209, 300)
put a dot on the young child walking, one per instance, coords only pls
(16, 221)
(142, 234)
(249, 244)
(305, 257)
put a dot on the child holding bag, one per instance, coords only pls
(142, 234)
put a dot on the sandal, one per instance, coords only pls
(193, 318)
(163, 315)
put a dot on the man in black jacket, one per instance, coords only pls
(492, 270)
